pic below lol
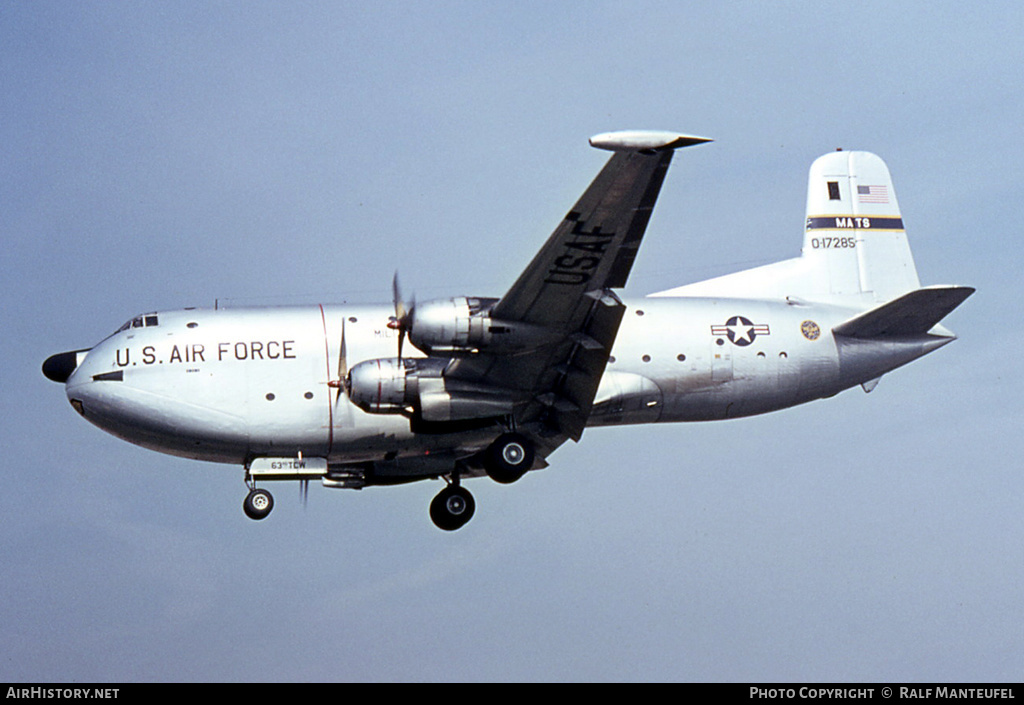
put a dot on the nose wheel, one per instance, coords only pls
(257, 504)
(452, 508)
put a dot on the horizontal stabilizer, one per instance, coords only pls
(911, 314)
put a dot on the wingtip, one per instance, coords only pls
(645, 140)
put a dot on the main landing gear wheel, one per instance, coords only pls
(508, 458)
(257, 504)
(452, 508)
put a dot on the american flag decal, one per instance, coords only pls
(873, 194)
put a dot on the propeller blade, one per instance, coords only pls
(342, 363)
(402, 320)
(396, 295)
(342, 354)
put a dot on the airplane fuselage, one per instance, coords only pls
(231, 385)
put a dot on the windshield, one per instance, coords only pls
(148, 320)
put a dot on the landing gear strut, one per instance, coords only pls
(452, 507)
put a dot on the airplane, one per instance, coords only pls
(357, 395)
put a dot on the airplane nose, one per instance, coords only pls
(60, 366)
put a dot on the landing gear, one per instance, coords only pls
(508, 458)
(452, 508)
(257, 504)
(505, 461)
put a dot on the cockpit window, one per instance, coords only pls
(148, 321)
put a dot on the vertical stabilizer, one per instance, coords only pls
(854, 232)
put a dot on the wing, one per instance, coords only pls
(567, 291)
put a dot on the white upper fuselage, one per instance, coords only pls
(233, 384)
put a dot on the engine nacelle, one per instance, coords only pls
(378, 386)
(416, 386)
(464, 325)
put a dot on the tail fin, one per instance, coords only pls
(854, 230)
(855, 250)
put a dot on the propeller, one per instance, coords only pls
(339, 383)
(403, 318)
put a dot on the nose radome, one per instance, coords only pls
(60, 366)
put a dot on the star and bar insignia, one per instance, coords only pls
(740, 331)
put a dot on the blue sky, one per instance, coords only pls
(162, 155)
